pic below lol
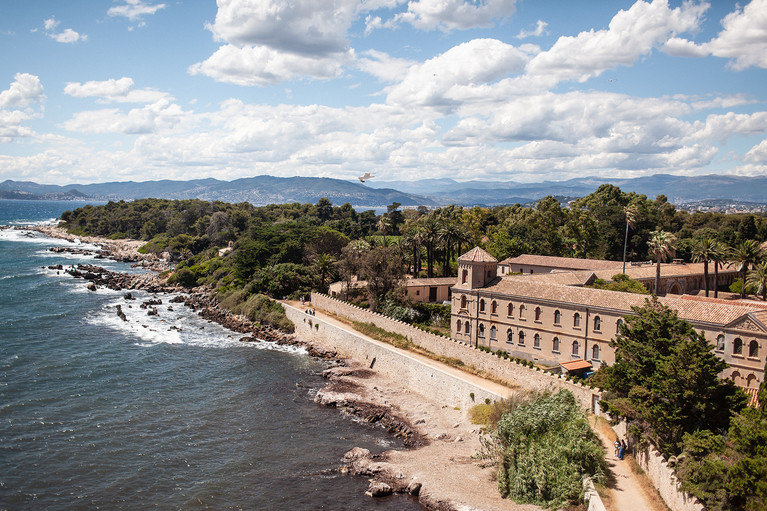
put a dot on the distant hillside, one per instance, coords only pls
(262, 190)
(678, 189)
(259, 190)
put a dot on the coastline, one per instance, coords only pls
(437, 464)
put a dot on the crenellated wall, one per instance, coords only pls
(510, 371)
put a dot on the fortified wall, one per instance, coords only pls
(439, 385)
(510, 371)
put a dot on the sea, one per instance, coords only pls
(159, 412)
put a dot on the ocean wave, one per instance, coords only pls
(32, 223)
(174, 323)
(24, 236)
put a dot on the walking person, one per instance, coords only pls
(622, 450)
(617, 445)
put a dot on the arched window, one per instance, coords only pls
(752, 381)
(510, 310)
(595, 352)
(557, 317)
(494, 307)
(720, 342)
(753, 349)
(458, 326)
(521, 311)
(537, 341)
(521, 338)
(464, 276)
(468, 328)
(555, 344)
(538, 313)
(736, 378)
(481, 331)
(737, 347)
(576, 320)
(493, 333)
(576, 348)
(597, 323)
(482, 305)
(463, 302)
(509, 336)
(618, 326)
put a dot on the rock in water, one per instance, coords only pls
(379, 489)
(120, 313)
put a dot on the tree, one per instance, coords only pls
(384, 225)
(704, 250)
(631, 213)
(382, 268)
(665, 380)
(758, 278)
(662, 247)
(745, 255)
(324, 264)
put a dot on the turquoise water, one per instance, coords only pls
(97, 413)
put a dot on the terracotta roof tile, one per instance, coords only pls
(438, 281)
(715, 313)
(752, 393)
(573, 263)
(575, 365)
(478, 255)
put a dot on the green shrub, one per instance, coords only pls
(183, 277)
(546, 447)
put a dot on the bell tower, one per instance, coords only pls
(476, 268)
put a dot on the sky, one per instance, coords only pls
(501, 90)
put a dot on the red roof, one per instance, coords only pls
(576, 365)
(751, 392)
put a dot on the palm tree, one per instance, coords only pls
(384, 224)
(429, 233)
(745, 255)
(662, 246)
(631, 213)
(323, 265)
(758, 278)
(704, 251)
(718, 257)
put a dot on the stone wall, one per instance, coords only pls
(434, 383)
(510, 371)
(662, 476)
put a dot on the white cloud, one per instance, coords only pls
(26, 90)
(134, 9)
(114, 90)
(448, 15)
(50, 23)
(457, 73)
(22, 101)
(261, 65)
(383, 66)
(744, 38)
(540, 29)
(631, 34)
(157, 117)
(758, 153)
(303, 27)
(67, 36)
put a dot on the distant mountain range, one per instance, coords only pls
(261, 190)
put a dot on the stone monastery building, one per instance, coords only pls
(551, 319)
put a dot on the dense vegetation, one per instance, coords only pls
(543, 446)
(665, 382)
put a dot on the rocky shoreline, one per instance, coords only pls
(437, 464)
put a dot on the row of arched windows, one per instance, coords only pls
(521, 337)
(737, 346)
(597, 321)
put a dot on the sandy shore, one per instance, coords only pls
(441, 467)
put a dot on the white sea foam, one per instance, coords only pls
(174, 324)
(24, 236)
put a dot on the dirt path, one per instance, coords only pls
(626, 492)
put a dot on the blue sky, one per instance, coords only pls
(511, 90)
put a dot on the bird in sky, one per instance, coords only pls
(367, 175)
